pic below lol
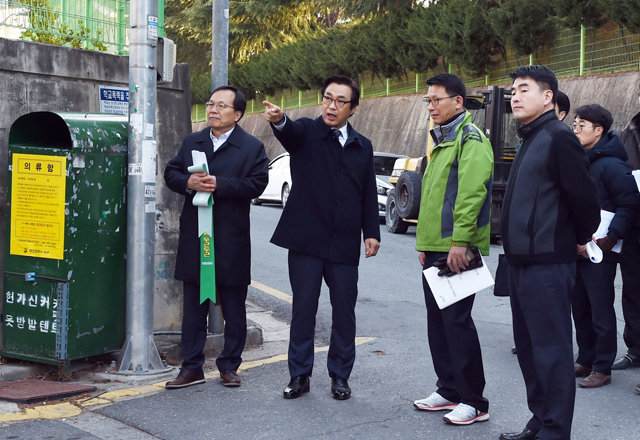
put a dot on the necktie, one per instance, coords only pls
(337, 134)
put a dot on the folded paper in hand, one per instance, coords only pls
(603, 228)
(449, 290)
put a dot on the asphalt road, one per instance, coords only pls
(393, 368)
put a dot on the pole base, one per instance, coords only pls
(143, 362)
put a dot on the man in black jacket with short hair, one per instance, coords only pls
(548, 209)
(593, 296)
(332, 204)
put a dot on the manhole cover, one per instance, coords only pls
(30, 390)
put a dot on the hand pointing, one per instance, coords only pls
(272, 113)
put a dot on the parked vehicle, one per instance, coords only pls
(382, 187)
(383, 164)
(279, 186)
(277, 190)
(491, 111)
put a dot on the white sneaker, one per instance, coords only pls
(464, 414)
(435, 402)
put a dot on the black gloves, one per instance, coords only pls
(473, 257)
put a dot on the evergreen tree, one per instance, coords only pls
(463, 34)
(524, 26)
(626, 13)
(575, 13)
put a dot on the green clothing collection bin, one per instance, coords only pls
(64, 274)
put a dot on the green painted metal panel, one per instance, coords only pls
(92, 268)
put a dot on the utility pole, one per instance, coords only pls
(139, 354)
(219, 77)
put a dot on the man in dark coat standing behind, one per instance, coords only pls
(238, 172)
(333, 200)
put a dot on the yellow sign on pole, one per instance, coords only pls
(37, 205)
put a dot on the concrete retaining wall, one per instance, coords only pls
(398, 124)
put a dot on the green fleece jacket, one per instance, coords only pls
(455, 207)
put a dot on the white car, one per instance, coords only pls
(382, 188)
(279, 185)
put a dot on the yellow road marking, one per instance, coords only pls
(56, 411)
(271, 291)
(68, 409)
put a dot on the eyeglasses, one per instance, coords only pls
(339, 103)
(577, 128)
(218, 105)
(435, 101)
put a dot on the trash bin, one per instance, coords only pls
(64, 274)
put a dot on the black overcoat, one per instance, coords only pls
(241, 169)
(333, 199)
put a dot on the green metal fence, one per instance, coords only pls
(87, 24)
(610, 48)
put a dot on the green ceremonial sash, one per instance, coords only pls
(204, 202)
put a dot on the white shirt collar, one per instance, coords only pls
(221, 140)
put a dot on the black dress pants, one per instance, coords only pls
(541, 313)
(194, 326)
(306, 273)
(455, 347)
(630, 268)
(593, 314)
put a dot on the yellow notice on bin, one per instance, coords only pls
(37, 206)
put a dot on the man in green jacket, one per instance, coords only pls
(454, 215)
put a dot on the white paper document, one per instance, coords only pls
(603, 228)
(594, 252)
(636, 176)
(449, 290)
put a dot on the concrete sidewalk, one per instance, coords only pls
(266, 336)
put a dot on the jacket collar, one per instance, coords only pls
(448, 131)
(527, 130)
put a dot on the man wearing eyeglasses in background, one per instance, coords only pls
(238, 172)
(593, 295)
(333, 201)
(454, 215)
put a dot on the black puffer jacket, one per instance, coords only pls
(617, 189)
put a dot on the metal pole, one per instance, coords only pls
(121, 34)
(220, 43)
(219, 77)
(161, 32)
(582, 46)
(140, 355)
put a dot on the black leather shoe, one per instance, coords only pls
(297, 386)
(626, 361)
(340, 388)
(525, 434)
